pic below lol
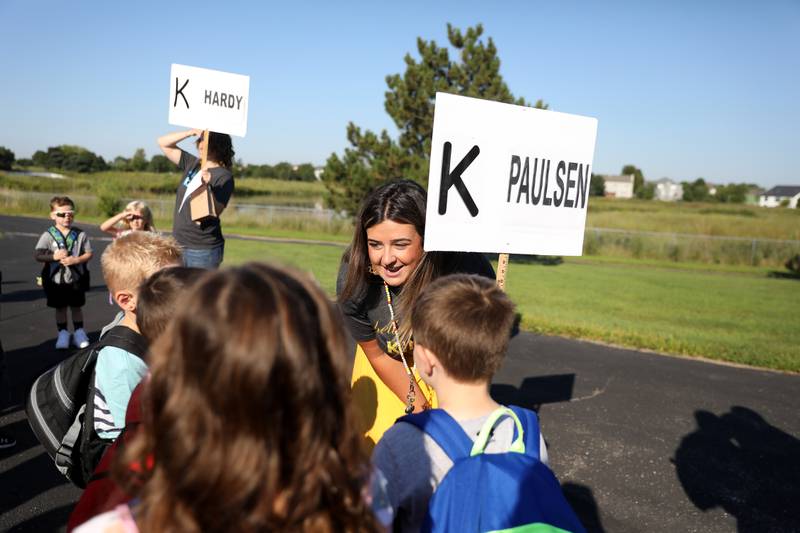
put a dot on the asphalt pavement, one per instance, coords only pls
(640, 441)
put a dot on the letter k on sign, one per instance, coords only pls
(180, 92)
(454, 178)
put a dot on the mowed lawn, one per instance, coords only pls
(740, 317)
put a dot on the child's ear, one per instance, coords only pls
(424, 360)
(126, 300)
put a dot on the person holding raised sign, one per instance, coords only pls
(381, 276)
(202, 241)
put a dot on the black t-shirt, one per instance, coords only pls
(207, 234)
(367, 315)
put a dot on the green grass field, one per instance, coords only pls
(743, 316)
(676, 294)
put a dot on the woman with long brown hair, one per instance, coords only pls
(382, 274)
(247, 418)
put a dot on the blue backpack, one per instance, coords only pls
(503, 492)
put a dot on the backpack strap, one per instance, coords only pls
(67, 243)
(126, 339)
(532, 433)
(444, 430)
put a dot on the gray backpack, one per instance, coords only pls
(60, 406)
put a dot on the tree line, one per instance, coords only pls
(71, 158)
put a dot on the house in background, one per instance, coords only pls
(619, 186)
(776, 195)
(668, 191)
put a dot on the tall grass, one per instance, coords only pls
(727, 220)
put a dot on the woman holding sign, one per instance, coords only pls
(202, 241)
(382, 274)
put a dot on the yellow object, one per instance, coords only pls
(377, 407)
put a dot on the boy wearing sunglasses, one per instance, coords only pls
(65, 250)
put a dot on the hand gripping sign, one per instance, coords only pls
(209, 100)
(507, 179)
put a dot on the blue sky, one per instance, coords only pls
(680, 89)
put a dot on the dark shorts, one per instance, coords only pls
(68, 295)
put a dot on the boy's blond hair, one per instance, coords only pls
(131, 259)
(466, 321)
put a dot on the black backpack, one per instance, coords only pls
(60, 406)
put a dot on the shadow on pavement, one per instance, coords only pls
(535, 391)
(52, 520)
(739, 462)
(581, 498)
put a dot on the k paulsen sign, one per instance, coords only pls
(507, 179)
(208, 100)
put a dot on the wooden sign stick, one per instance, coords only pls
(502, 268)
(204, 151)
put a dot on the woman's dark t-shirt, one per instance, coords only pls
(367, 316)
(207, 234)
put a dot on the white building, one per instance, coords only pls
(668, 191)
(776, 195)
(619, 186)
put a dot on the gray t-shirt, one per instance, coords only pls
(207, 234)
(413, 465)
(55, 272)
(367, 315)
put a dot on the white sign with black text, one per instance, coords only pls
(208, 99)
(507, 178)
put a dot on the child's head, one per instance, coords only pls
(131, 259)
(62, 210)
(249, 398)
(466, 322)
(139, 217)
(157, 297)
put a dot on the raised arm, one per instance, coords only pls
(108, 225)
(169, 143)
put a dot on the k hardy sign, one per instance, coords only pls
(208, 99)
(507, 178)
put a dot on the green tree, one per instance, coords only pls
(6, 158)
(139, 160)
(121, 163)
(282, 171)
(597, 187)
(638, 176)
(697, 191)
(734, 193)
(646, 191)
(373, 158)
(160, 163)
(39, 158)
(305, 172)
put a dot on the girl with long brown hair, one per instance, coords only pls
(247, 418)
(382, 274)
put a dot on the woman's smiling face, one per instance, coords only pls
(395, 250)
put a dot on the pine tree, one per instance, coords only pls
(374, 158)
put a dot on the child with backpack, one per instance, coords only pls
(156, 304)
(65, 249)
(77, 409)
(126, 263)
(471, 464)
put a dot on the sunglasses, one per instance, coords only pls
(62, 214)
(134, 217)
